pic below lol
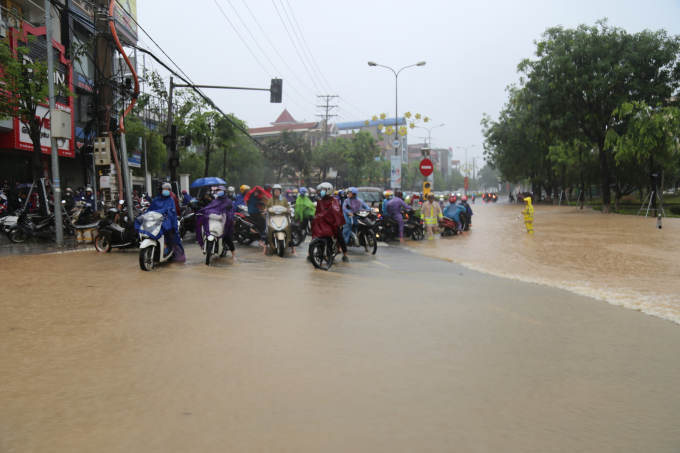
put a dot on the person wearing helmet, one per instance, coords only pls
(313, 195)
(430, 212)
(278, 199)
(528, 215)
(255, 196)
(186, 198)
(89, 198)
(295, 192)
(268, 188)
(231, 194)
(239, 201)
(342, 196)
(165, 204)
(388, 197)
(289, 196)
(350, 207)
(70, 201)
(328, 218)
(394, 209)
(468, 209)
(453, 212)
(304, 209)
(221, 206)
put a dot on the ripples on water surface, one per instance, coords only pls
(623, 260)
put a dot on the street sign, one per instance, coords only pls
(426, 167)
(466, 183)
(396, 143)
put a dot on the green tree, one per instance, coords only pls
(331, 154)
(363, 151)
(588, 73)
(24, 88)
(288, 154)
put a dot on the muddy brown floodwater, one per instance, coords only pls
(395, 353)
(622, 259)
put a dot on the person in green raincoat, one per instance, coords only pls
(304, 209)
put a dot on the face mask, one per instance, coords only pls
(323, 193)
(166, 193)
(220, 193)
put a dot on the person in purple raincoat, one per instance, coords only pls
(394, 207)
(220, 206)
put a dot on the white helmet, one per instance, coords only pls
(230, 189)
(328, 187)
(277, 186)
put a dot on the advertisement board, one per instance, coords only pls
(136, 159)
(395, 179)
(125, 18)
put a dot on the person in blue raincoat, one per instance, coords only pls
(468, 209)
(350, 207)
(165, 204)
(240, 198)
(388, 197)
(221, 206)
(89, 198)
(186, 198)
(453, 212)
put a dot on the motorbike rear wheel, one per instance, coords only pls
(146, 258)
(297, 236)
(243, 238)
(370, 243)
(102, 244)
(17, 235)
(321, 254)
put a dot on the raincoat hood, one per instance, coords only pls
(527, 201)
(221, 206)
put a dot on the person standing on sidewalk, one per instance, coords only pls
(431, 213)
(528, 215)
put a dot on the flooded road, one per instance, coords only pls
(621, 259)
(393, 353)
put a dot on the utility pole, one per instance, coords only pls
(146, 168)
(170, 145)
(473, 169)
(327, 108)
(56, 189)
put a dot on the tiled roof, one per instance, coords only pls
(281, 127)
(285, 118)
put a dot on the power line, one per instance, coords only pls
(365, 115)
(296, 50)
(330, 89)
(300, 42)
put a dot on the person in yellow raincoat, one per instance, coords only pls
(528, 215)
(431, 213)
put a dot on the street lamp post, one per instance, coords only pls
(396, 95)
(429, 138)
(466, 164)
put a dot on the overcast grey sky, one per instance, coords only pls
(471, 47)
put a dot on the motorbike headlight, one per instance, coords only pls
(211, 237)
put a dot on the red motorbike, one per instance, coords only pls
(447, 227)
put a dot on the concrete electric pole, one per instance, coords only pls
(327, 107)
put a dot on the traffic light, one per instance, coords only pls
(276, 91)
(426, 189)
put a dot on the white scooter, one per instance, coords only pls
(212, 243)
(153, 251)
(278, 229)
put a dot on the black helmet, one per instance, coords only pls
(399, 194)
(267, 187)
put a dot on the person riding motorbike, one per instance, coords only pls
(221, 206)
(295, 192)
(453, 212)
(304, 209)
(70, 201)
(240, 201)
(278, 199)
(166, 205)
(268, 189)
(186, 198)
(328, 218)
(430, 212)
(254, 196)
(230, 193)
(342, 196)
(468, 209)
(388, 197)
(289, 196)
(350, 207)
(313, 195)
(394, 208)
(89, 198)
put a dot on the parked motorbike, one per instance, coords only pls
(115, 232)
(153, 250)
(188, 220)
(244, 229)
(26, 227)
(387, 228)
(362, 234)
(7, 220)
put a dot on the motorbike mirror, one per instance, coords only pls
(121, 202)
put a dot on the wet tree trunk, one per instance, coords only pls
(207, 159)
(606, 178)
(653, 186)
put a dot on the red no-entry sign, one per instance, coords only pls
(426, 167)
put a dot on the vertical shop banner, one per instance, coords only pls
(136, 159)
(125, 17)
(395, 172)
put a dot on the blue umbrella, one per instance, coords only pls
(207, 182)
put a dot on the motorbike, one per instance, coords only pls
(362, 234)
(244, 229)
(472, 197)
(447, 227)
(494, 198)
(322, 252)
(387, 228)
(153, 250)
(278, 231)
(116, 232)
(212, 243)
(511, 199)
(27, 227)
(188, 219)
(7, 220)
